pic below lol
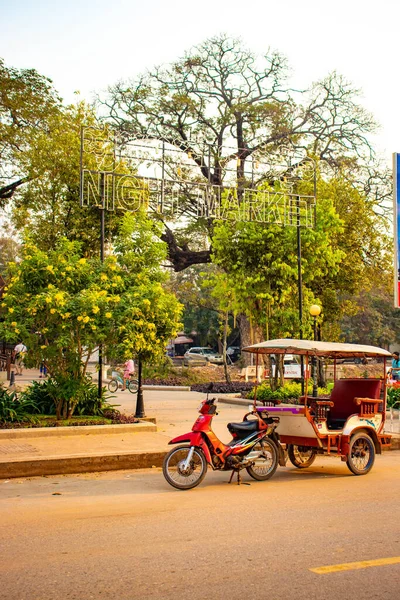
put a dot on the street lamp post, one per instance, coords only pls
(315, 311)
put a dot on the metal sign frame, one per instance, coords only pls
(120, 174)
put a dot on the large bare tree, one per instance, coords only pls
(222, 106)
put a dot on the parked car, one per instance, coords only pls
(233, 352)
(355, 360)
(199, 356)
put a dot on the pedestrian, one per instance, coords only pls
(18, 355)
(42, 369)
(129, 369)
(396, 367)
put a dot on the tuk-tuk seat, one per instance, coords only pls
(344, 396)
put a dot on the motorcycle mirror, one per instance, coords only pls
(209, 388)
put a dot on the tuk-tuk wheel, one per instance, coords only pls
(301, 456)
(361, 456)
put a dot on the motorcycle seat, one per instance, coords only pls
(245, 426)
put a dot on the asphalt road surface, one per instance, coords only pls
(128, 535)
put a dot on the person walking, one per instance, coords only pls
(42, 369)
(396, 367)
(18, 355)
(129, 369)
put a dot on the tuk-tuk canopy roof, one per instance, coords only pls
(309, 347)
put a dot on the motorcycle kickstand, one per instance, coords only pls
(239, 479)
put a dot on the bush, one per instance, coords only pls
(290, 391)
(393, 397)
(160, 370)
(14, 409)
(44, 395)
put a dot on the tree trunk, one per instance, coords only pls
(248, 335)
(226, 372)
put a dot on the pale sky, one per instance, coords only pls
(87, 45)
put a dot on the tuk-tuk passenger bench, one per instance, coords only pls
(353, 396)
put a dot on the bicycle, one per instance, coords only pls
(116, 382)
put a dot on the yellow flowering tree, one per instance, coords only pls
(63, 305)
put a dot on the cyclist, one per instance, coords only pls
(129, 369)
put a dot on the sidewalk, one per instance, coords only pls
(31, 452)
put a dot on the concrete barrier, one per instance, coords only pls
(27, 432)
(80, 464)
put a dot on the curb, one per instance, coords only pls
(168, 388)
(9, 434)
(68, 465)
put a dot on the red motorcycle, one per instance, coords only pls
(254, 447)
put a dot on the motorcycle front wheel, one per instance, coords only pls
(175, 473)
(266, 462)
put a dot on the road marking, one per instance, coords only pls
(363, 564)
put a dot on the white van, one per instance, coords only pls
(291, 367)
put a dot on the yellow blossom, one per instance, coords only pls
(16, 330)
(67, 315)
(108, 315)
(103, 293)
(13, 324)
(82, 261)
(116, 299)
(10, 310)
(43, 347)
(80, 318)
(52, 311)
(48, 299)
(68, 268)
(95, 309)
(103, 277)
(58, 296)
(94, 327)
(50, 268)
(86, 319)
(44, 330)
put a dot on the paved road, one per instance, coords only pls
(128, 535)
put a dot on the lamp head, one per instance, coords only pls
(315, 310)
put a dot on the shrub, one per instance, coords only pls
(159, 370)
(290, 391)
(44, 396)
(14, 409)
(393, 397)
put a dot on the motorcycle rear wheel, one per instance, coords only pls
(267, 461)
(173, 468)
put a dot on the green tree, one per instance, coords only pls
(63, 305)
(48, 205)
(27, 100)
